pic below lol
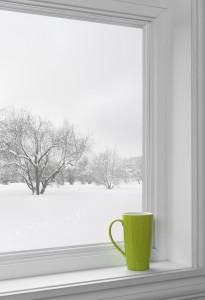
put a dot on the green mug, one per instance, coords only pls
(137, 227)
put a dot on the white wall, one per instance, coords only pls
(178, 140)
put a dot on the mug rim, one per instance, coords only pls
(134, 214)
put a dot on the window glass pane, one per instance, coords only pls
(70, 130)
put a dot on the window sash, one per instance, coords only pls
(45, 261)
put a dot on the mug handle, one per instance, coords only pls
(111, 238)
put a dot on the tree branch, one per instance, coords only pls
(45, 153)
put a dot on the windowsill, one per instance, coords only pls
(90, 280)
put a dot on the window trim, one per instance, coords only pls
(197, 130)
(169, 280)
(119, 12)
(61, 259)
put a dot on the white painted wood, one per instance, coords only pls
(198, 125)
(154, 128)
(155, 3)
(80, 277)
(201, 127)
(150, 124)
(108, 11)
(195, 203)
(178, 133)
(58, 260)
(159, 139)
(169, 281)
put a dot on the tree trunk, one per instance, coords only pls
(43, 189)
(37, 181)
(49, 179)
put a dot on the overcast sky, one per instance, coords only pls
(88, 73)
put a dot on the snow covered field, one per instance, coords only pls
(63, 216)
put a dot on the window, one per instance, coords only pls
(82, 256)
(151, 20)
(46, 87)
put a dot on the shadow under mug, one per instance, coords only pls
(137, 227)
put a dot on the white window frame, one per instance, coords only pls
(151, 17)
(96, 255)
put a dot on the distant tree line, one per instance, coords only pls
(106, 169)
(38, 153)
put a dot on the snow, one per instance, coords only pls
(64, 216)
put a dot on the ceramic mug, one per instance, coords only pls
(137, 227)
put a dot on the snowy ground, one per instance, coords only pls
(63, 216)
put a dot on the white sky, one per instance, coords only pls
(88, 73)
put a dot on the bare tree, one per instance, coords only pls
(8, 175)
(105, 169)
(37, 149)
(84, 173)
(132, 169)
(70, 175)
